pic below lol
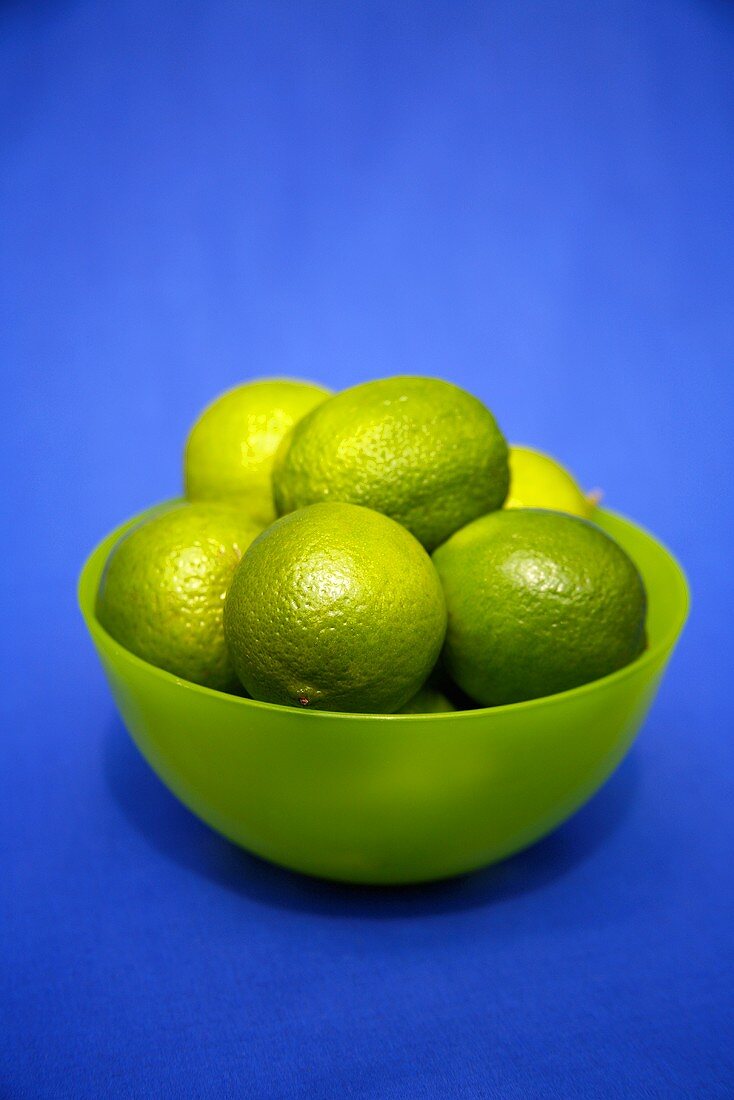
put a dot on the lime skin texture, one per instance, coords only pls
(335, 607)
(230, 449)
(162, 591)
(538, 602)
(539, 481)
(420, 450)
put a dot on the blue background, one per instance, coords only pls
(531, 199)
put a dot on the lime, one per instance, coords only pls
(428, 700)
(162, 592)
(230, 449)
(335, 607)
(419, 450)
(539, 481)
(538, 602)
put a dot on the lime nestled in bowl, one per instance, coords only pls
(422, 451)
(163, 589)
(437, 676)
(230, 450)
(337, 607)
(539, 481)
(539, 602)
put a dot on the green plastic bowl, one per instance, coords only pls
(391, 798)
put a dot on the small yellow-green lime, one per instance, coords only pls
(538, 602)
(230, 449)
(419, 450)
(428, 700)
(162, 591)
(538, 481)
(335, 607)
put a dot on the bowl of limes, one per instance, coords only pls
(373, 642)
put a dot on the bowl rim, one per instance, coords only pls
(649, 656)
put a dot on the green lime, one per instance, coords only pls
(428, 700)
(230, 449)
(419, 450)
(162, 592)
(335, 607)
(538, 481)
(538, 602)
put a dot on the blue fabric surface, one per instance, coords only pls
(531, 199)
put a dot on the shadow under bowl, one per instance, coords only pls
(391, 798)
